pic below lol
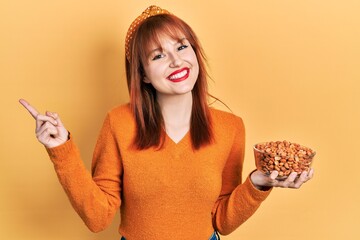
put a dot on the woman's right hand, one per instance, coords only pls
(49, 130)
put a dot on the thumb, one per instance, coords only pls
(63, 133)
(56, 117)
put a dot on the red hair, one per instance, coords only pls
(147, 114)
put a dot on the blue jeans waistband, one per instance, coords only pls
(214, 236)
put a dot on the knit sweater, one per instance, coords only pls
(174, 192)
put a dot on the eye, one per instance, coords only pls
(157, 56)
(182, 47)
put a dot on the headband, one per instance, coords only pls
(148, 12)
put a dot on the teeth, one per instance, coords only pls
(178, 75)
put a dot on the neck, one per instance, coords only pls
(176, 110)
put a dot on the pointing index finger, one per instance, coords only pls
(30, 108)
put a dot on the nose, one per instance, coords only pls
(175, 60)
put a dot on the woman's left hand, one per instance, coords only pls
(263, 181)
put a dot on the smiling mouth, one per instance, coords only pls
(179, 75)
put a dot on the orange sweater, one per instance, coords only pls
(171, 193)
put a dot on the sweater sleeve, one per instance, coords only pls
(237, 201)
(96, 196)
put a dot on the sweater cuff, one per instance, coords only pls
(255, 193)
(62, 154)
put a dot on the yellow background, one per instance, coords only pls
(290, 68)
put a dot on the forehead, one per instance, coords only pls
(160, 36)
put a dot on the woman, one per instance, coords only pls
(169, 162)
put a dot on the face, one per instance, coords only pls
(171, 68)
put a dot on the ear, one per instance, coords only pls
(146, 80)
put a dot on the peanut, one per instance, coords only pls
(283, 156)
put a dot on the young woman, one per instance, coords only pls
(169, 162)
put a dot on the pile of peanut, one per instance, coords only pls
(283, 156)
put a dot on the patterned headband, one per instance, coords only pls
(149, 12)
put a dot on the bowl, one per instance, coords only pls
(283, 156)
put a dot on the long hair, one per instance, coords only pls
(146, 110)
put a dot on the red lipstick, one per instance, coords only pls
(179, 75)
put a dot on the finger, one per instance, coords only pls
(62, 132)
(51, 114)
(292, 177)
(56, 117)
(47, 135)
(311, 173)
(272, 178)
(30, 108)
(47, 128)
(274, 175)
(303, 178)
(290, 180)
(41, 119)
